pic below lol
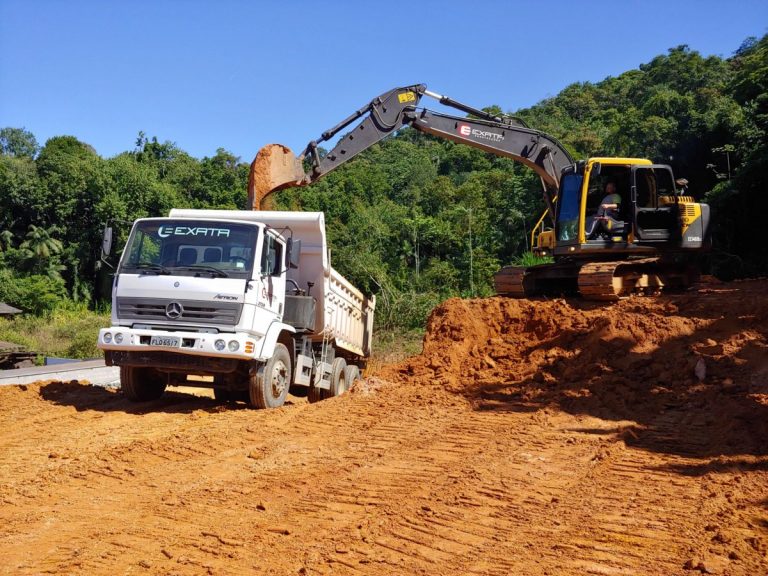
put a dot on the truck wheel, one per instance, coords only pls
(351, 373)
(315, 394)
(141, 384)
(268, 386)
(339, 383)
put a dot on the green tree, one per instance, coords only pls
(17, 142)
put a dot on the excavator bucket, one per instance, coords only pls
(274, 168)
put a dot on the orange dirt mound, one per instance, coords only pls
(632, 359)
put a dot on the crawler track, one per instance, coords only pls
(603, 281)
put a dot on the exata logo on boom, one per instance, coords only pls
(467, 130)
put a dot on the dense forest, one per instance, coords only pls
(414, 219)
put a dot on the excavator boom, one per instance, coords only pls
(275, 167)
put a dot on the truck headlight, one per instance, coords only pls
(234, 345)
(219, 345)
(118, 338)
(107, 338)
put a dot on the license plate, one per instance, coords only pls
(164, 341)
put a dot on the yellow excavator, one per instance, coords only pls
(614, 226)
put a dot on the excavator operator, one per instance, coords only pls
(607, 221)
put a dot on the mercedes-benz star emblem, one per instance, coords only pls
(174, 310)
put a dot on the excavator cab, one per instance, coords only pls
(615, 205)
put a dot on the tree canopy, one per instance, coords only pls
(414, 219)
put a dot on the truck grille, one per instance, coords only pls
(192, 311)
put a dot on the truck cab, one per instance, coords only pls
(246, 300)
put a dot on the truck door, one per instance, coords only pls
(270, 291)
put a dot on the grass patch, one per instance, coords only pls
(393, 345)
(530, 259)
(69, 332)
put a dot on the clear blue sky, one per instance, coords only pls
(239, 74)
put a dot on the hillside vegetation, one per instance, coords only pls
(414, 219)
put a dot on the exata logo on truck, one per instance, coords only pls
(165, 231)
(466, 130)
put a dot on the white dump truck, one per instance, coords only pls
(245, 302)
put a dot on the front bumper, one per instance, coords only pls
(237, 346)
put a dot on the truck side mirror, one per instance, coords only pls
(106, 241)
(294, 251)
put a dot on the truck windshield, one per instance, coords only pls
(191, 248)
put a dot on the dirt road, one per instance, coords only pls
(530, 437)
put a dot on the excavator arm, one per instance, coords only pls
(275, 167)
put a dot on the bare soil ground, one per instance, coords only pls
(530, 437)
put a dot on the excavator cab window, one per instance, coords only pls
(568, 206)
(594, 192)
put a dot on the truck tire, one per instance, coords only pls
(315, 394)
(339, 383)
(141, 384)
(268, 386)
(351, 373)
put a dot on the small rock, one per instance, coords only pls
(260, 506)
(722, 538)
(713, 565)
(166, 553)
(700, 370)
(692, 564)
(145, 564)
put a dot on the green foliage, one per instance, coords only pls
(414, 219)
(17, 142)
(70, 332)
(35, 294)
(530, 259)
